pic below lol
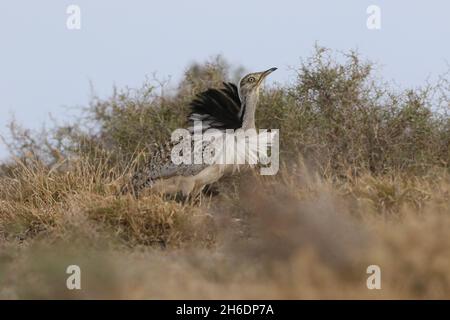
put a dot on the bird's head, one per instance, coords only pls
(251, 82)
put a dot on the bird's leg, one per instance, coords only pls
(187, 185)
(192, 187)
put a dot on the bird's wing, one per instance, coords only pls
(217, 108)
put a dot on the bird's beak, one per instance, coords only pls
(266, 73)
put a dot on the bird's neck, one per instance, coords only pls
(248, 116)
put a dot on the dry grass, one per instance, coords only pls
(292, 236)
(81, 195)
(372, 186)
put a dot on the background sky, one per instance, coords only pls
(44, 67)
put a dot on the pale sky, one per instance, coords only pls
(44, 66)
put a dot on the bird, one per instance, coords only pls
(230, 107)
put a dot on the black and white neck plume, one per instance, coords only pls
(230, 107)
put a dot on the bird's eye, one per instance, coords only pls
(251, 79)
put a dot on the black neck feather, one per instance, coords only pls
(218, 108)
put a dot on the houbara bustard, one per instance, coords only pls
(232, 107)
